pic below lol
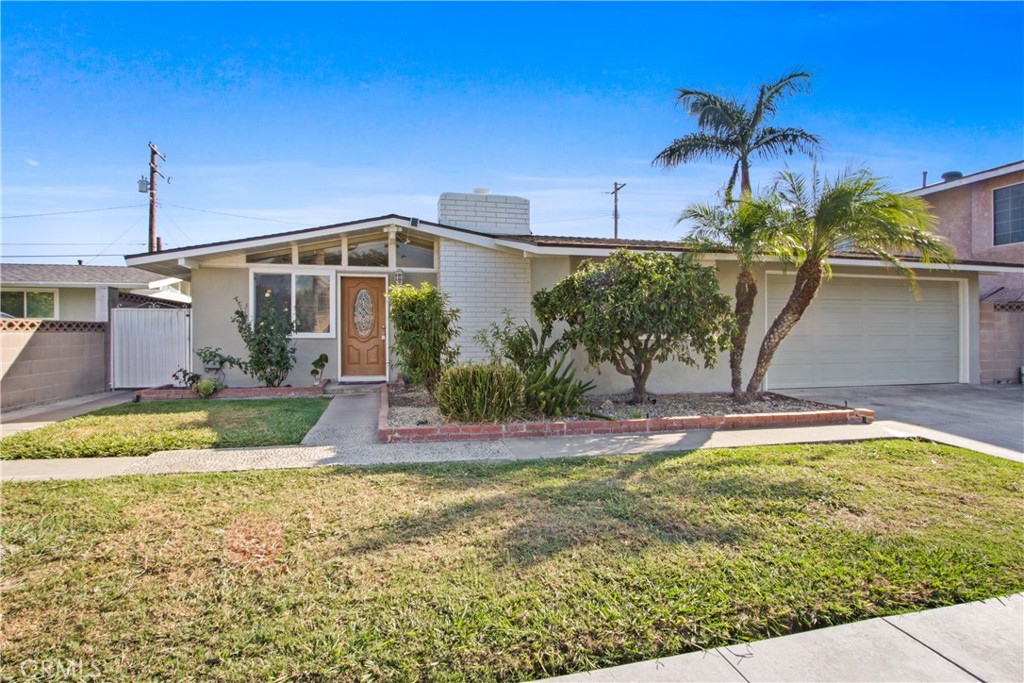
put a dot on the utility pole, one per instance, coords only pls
(154, 171)
(615, 193)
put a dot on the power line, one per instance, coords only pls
(234, 215)
(174, 223)
(116, 240)
(7, 256)
(60, 244)
(64, 213)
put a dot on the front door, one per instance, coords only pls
(364, 327)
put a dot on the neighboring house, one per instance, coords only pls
(865, 327)
(83, 293)
(982, 215)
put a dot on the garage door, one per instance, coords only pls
(861, 331)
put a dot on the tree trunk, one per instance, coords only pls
(639, 376)
(808, 282)
(746, 292)
(745, 190)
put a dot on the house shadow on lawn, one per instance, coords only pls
(527, 513)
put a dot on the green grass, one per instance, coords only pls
(144, 428)
(495, 571)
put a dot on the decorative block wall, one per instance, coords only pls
(45, 360)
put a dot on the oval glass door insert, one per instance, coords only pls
(363, 313)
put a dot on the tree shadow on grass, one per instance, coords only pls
(530, 512)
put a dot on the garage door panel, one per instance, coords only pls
(867, 332)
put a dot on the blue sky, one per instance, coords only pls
(309, 114)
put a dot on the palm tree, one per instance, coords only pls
(751, 230)
(727, 127)
(858, 211)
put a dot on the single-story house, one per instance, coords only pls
(83, 293)
(865, 327)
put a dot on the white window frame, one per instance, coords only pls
(281, 269)
(1004, 244)
(49, 290)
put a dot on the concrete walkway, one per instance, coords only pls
(977, 641)
(346, 434)
(33, 417)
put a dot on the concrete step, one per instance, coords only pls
(335, 388)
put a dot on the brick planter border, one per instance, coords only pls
(826, 416)
(162, 394)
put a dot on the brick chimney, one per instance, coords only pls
(482, 211)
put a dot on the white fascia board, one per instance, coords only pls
(185, 257)
(917, 265)
(967, 180)
(87, 285)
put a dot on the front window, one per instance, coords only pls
(305, 299)
(1009, 214)
(414, 252)
(29, 304)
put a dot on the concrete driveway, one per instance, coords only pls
(990, 414)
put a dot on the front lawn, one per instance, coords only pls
(144, 428)
(495, 571)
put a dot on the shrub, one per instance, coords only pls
(207, 387)
(555, 392)
(424, 329)
(319, 363)
(271, 355)
(187, 377)
(519, 345)
(480, 392)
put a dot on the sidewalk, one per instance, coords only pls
(346, 434)
(977, 641)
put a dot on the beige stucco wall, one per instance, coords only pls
(213, 304)
(77, 303)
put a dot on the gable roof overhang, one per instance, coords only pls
(180, 261)
(996, 172)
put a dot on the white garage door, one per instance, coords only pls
(861, 331)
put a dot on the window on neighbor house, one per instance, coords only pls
(306, 299)
(29, 304)
(1008, 213)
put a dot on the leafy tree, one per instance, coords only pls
(729, 128)
(425, 328)
(637, 309)
(855, 210)
(751, 230)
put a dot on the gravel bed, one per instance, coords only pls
(411, 406)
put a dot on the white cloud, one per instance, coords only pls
(32, 162)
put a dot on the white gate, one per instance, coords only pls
(148, 345)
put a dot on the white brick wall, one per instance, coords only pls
(490, 213)
(482, 282)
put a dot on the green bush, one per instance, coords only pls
(268, 339)
(207, 387)
(555, 392)
(481, 392)
(424, 329)
(519, 345)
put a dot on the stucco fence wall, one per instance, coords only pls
(1002, 342)
(46, 360)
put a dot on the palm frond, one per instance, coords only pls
(691, 147)
(796, 81)
(772, 142)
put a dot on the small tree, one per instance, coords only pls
(425, 328)
(268, 340)
(637, 309)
